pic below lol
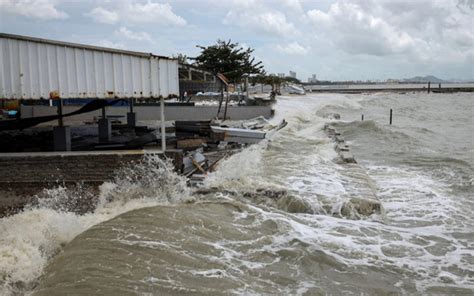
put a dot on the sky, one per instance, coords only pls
(333, 39)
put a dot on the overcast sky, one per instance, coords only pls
(336, 40)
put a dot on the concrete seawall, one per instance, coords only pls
(149, 113)
(363, 195)
(22, 175)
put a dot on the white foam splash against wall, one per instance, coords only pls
(32, 237)
(299, 159)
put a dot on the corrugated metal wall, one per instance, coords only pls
(31, 69)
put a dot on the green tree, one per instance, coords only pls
(292, 79)
(229, 59)
(182, 58)
(274, 81)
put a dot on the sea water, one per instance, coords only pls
(150, 234)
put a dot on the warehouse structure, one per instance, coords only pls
(34, 69)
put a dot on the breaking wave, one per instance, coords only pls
(32, 237)
(279, 218)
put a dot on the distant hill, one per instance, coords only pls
(424, 79)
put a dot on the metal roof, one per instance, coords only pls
(82, 46)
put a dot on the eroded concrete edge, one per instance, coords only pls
(363, 197)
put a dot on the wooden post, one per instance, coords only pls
(439, 85)
(362, 117)
(390, 116)
(220, 101)
(226, 102)
(429, 87)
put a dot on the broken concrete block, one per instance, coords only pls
(339, 139)
(342, 147)
(293, 204)
(347, 157)
(366, 206)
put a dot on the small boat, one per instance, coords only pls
(249, 134)
(293, 89)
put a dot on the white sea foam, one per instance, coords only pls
(428, 234)
(32, 237)
(426, 240)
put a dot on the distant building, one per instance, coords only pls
(292, 74)
(281, 75)
(312, 79)
(393, 81)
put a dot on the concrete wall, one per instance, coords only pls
(148, 113)
(22, 175)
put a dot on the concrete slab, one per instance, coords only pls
(105, 130)
(62, 138)
(131, 119)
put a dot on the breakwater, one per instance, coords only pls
(363, 197)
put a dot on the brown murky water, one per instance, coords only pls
(151, 235)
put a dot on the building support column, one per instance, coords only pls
(61, 133)
(131, 116)
(105, 128)
(163, 128)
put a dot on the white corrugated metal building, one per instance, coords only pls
(34, 68)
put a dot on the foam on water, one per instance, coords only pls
(427, 236)
(422, 170)
(424, 245)
(32, 237)
(299, 159)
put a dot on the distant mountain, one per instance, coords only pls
(424, 79)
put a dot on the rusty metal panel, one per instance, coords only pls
(32, 68)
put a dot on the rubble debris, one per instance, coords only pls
(192, 128)
(209, 142)
(189, 161)
(189, 143)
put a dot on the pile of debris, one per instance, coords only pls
(206, 143)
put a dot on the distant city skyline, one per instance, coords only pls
(339, 40)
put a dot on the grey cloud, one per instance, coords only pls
(43, 10)
(420, 29)
(260, 18)
(137, 12)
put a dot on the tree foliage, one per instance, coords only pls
(229, 59)
(292, 79)
(182, 58)
(267, 79)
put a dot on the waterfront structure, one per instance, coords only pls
(192, 80)
(34, 68)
